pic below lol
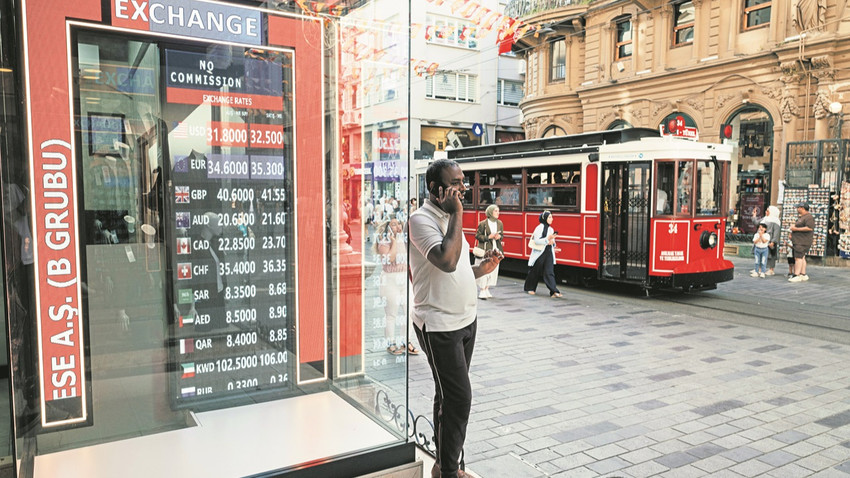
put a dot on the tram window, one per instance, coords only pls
(685, 187)
(709, 194)
(500, 187)
(469, 180)
(553, 197)
(665, 179)
(558, 187)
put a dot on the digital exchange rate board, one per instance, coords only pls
(229, 217)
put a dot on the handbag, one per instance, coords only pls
(534, 245)
(478, 252)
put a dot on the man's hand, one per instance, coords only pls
(491, 259)
(449, 200)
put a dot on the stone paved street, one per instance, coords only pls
(604, 385)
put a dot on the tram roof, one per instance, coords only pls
(584, 142)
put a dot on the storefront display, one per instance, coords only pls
(180, 171)
(842, 209)
(818, 200)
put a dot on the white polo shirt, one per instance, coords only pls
(442, 301)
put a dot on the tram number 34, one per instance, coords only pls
(673, 228)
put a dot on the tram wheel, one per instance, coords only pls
(588, 282)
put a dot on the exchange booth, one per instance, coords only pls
(179, 297)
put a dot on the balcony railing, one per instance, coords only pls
(524, 8)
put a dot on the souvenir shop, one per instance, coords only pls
(818, 173)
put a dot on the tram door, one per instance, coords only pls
(625, 220)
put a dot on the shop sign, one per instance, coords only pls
(389, 170)
(389, 142)
(63, 387)
(212, 21)
(196, 78)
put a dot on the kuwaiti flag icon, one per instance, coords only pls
(188, 369)
(187, 346)
(187, 320)
(187, 392)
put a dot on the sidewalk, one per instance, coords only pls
(575, 388)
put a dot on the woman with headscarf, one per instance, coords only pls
(542, 260)
(489, 236)
(771, 220)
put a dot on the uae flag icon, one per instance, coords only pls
(187, 346)
(188, 370)
(187, 320)
(184, 270)
(184, 246)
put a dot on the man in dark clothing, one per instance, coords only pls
(802, 236)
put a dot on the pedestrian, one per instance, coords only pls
(760, 241)
(391, 253)
(774, 228)
(802, 235)
(489, 236)
(445, 307)
(791, 261)
(542, 260)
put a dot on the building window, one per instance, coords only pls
(451, 86)
(509, 92)
(553, 131)
(624, 39)
(683, 23)
(558, 60)
(450, 31)
(756, 13)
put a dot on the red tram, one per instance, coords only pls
(629, 205)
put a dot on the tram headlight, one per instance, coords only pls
(708, 240)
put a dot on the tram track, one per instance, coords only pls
(809, 320)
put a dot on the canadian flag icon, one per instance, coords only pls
(183, 246)
(184, 270)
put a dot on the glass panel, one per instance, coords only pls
(709, 191)
(685, 35)
(373, 324)
(624, 31)
(557, 59)
(556, 196)
(664, 183)
(758, 17)
(500, 187)
(685, 13)
(469, 180)
(17, 303)
(685, 188)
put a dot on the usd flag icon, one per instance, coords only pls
(187, 392)
(184, 270)
(187, 346)
(184, 246)
(181, 194)
(188, 370)
(187, 320)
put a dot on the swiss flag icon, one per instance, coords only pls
(184, 270)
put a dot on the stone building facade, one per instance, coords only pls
(769, 68)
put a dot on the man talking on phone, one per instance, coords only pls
(445, 306)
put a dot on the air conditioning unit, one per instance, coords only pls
(521, 67)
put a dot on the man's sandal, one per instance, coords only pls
(395, 350)
(411, 349)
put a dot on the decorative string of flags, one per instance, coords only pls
(482, 22)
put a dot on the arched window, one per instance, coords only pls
(553, 131)
(619, 124)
